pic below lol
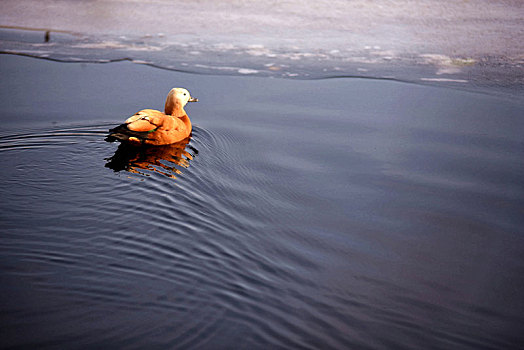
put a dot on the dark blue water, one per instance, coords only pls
(326, 214)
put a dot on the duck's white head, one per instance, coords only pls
(176, 100)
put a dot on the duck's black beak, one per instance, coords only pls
(193, 99)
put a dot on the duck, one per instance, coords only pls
(152, 127)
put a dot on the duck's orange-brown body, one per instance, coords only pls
(152, 127)
(162, 129)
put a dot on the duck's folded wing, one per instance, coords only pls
(138, 127)
(145, 121)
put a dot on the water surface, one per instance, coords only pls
(332, 214)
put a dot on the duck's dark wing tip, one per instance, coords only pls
(122, 133)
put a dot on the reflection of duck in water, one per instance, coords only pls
(152, 127)
(162, 159)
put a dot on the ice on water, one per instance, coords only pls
(405, 40)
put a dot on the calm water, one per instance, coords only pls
(326, 214)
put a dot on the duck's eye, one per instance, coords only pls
(185, 94)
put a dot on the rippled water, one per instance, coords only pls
(339, 213)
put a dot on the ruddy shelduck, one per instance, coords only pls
(152, 127)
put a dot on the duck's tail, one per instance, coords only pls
(123, 134)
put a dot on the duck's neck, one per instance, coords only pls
(175, 109)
